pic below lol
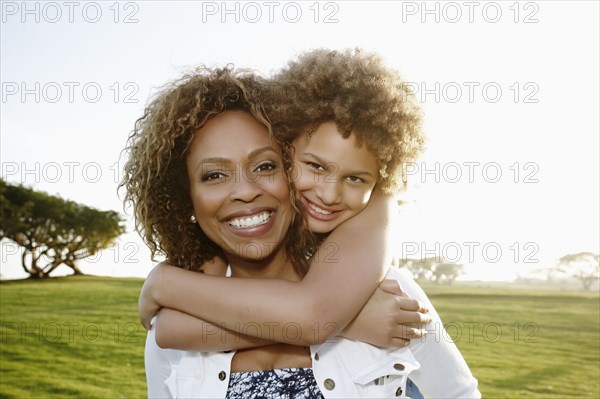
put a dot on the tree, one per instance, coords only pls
(434, 269)
(584, 266)
(421, 269)
(53, 231)
(446, 272)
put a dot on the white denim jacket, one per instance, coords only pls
(342, 368)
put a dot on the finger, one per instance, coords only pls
(408, 332)
(150, 318)
(396, 342)
(412, 305)
(417, 325)
(145, 323)
(391, 286)
(412, 318)
(143, 319)
(146, 318)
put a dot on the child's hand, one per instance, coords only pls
(389, 319)
(147, 305)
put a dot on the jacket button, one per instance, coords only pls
(329, 384)
(222, 375)
(399, 366)
(399, 391)
(316, 356)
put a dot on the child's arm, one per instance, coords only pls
(380, 322)
(177, 330)
(343, 275)
(215, 267)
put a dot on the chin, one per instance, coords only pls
(321, 228)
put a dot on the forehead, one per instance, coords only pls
(327, 143)
(328, 134)
(228, 134)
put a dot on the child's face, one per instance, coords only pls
(334, 177)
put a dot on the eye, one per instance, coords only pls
(355, 179)
(266, 167)
(212, 176)
(315, 166)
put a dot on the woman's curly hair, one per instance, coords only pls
(362, 96)
(155, 175)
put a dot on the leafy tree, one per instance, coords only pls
(447, 272)
(584, 266)
(421, 269)
(53, 231)
(434, 269)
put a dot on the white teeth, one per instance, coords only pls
(250, 221)
(319, 210)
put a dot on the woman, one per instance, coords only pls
(218, 159)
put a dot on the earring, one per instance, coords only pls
(193, 219)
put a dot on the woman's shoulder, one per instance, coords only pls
(407, 283)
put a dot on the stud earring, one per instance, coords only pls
(193, 219)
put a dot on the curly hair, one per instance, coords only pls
(362, 96)
(155, 175)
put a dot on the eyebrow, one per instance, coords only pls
(221, 160)
(351, 173)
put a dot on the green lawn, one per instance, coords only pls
(79, 337)
(523, 343)
(71, 337)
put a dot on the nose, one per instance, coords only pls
(330, 193)
(245, 189)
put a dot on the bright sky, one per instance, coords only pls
(510, 90)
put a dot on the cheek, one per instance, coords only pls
(357, 200)
(279, 188)
(205, 202)
(206, 207)
(304, 180)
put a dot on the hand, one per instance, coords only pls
(393, 287)
(147, 304)
(389, 319)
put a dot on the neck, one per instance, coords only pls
(274, 266)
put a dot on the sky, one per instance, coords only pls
(510, 178)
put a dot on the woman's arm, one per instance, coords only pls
(159, 365)
(343, 275)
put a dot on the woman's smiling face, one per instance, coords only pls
(238, 186)
(334, 177)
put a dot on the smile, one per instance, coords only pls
(314, 211)
(250, 221)
(319, 210)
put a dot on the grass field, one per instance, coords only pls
(78, 337)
